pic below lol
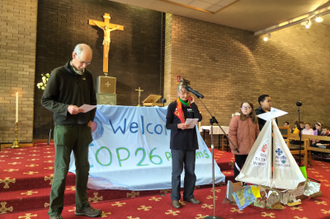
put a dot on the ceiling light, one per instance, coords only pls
(266, 38)
(319, 19)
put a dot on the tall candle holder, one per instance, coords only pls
(15, 143)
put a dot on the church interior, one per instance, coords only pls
(230, 50)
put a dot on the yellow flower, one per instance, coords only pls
(42, 85)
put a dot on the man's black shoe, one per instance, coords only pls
(192, 200)
(89, 211)
(176, 204)
(56, 217)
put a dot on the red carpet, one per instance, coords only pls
(25, 177)
(160, 207)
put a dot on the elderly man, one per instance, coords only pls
(69, 87)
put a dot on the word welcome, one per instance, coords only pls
(134, 127)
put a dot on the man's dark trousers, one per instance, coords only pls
(70, 138)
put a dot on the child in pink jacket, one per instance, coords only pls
(243, 131)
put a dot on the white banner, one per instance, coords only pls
(130, 151)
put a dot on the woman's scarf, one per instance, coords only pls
(178, 111)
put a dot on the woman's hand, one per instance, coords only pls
(182, 126)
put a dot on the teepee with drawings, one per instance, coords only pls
(283, 172)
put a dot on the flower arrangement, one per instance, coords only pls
(42, 85)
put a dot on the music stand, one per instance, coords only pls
(151, 100)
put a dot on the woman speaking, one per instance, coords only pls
(183, 144)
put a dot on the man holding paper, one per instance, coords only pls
(183, 143)
(68, 87)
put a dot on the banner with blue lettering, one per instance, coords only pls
(130, 151)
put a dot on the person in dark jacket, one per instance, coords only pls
(183, 144)
(265, 102)
(69, 87)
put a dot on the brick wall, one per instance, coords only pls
(229, 65)
(18, 21)
(225, 64)
(135, 57)
(168, 74)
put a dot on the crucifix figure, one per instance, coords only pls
(139, 90)
(107, 27)
(107, 39)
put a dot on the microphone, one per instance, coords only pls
(163, 101)
(299, 103)
(188, 88)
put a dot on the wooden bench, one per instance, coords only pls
(309, 138)
(294, 148)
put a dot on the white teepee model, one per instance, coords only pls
(258, 169)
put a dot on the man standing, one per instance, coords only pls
(68, 87)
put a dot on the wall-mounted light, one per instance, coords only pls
(266, 38)
(307, 23)
(319, 19)
(303, 19)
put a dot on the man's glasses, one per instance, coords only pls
(82, 62)
(246, 107)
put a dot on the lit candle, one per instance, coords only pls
(16, 106)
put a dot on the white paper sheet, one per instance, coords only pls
(87, 107)
(191, 122)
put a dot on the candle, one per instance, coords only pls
(16, 107)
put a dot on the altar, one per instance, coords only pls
(130, 151)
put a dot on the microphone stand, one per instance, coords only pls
(212, 121)
(300, 129)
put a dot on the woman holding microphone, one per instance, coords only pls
(183, 144)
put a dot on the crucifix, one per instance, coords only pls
(139, 90)
(107, 27)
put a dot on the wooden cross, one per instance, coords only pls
(107, 27)
(139, 90)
